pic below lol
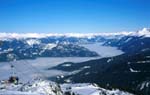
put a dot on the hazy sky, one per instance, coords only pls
(51, 16)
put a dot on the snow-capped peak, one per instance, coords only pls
(144, 32)
(33, 41)
(146, 29)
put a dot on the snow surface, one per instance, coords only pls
(32, 42)
(144, 84)
(43, 87)
(17, 93)
(144, 32)
(134, 71)
(49, 46)
(90, 89)
(34, 87)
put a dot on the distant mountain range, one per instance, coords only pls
(32, 45)
(144, 32)
(32, 48)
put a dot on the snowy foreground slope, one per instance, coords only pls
(90, 89)
(36, 87)
(40, 87)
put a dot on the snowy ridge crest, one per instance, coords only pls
(144, 32)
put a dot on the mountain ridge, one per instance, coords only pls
(144, 32)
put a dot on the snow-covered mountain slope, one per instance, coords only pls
(32, 48)
(35, 87)
(42, 87)
(89, 89)
(129, 72)
(132, 44)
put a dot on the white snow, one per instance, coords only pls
(66, 65)
(43, 87)
(144, 84)
(17, 93)
(147, 61)
(87, 73)
(90, 89)
(86, 67)
(144, 32)
(49, 46)
(135, 71)
(109, 60)
(128, 40)
(34, 87)
(32, 42)
(77, 71)
(6, 50)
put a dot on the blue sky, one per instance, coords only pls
(81, 16)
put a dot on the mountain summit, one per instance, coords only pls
(144, 32)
